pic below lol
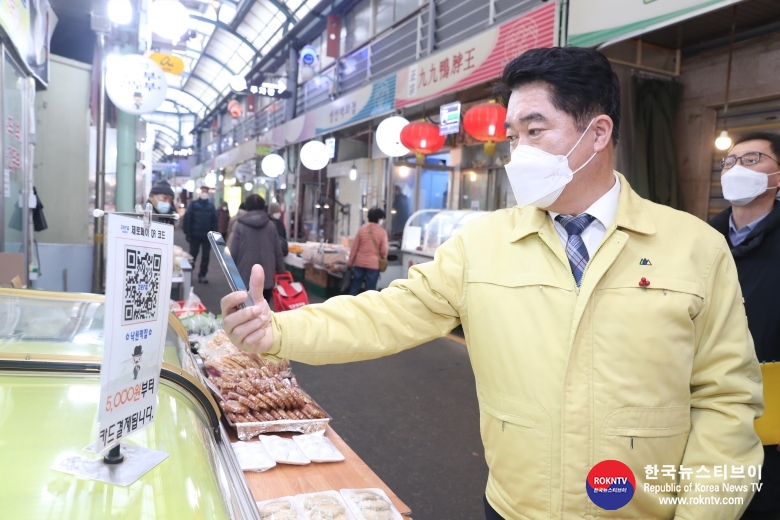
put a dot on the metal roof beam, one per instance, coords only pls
(227, 28)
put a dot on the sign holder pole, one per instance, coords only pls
(124, 463)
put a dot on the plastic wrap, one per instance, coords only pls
(252, 456)
(284, 451)
(285, 508)
(370, 504)
(318, 448)
(325, 505)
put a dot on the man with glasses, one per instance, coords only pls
(750, 178)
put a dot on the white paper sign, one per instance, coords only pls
(138, 285)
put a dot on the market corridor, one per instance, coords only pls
(412, 417)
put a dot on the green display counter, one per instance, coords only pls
(49, 391)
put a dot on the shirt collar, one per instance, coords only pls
(632, 214)
(605, 208)
(750, 227)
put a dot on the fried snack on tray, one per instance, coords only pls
(324, 507)
(254, 389)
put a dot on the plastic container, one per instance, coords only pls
(284, 451)
(252, 456)
(318, 448)
(370, 504)
(325, 505)
(198, 308)
(285, 508)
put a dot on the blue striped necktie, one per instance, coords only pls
(575, 247)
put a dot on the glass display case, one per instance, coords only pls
(426, 230)
(50, 353)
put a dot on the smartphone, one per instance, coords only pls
(228, 266)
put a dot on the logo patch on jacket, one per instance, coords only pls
(645, 261)
(610, 484)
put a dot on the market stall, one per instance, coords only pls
(50, 348)
(427, 229)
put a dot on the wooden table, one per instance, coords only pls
(286, 479)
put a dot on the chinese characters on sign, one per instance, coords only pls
(138, 282)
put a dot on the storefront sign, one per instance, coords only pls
(139, 267)
(593, 22)
(276, 90)
(330, 143)
(477, 59)
(368, 102)
(449, 118)
(29, 25)
(169, 63)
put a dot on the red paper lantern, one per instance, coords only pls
(485, 123)
(422, 138)
(234, 108)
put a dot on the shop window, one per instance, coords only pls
(402, 201)
(384, 14)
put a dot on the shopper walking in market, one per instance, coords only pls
(750, 178)
(199, 219)
(234, 221)
(368, 248)
(161, 198)
(275, 212)
(255, 241)
(600, 326)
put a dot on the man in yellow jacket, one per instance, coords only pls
(600, 326)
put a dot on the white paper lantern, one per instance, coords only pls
(169, 18)
(273, 165)
(315, 155)
(135, 84)
(388, 136)
(210, 180)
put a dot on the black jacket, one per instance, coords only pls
(758, 261)
(200, 218)
(282, 235)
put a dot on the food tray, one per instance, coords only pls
(355, 509)
(301, 501)
(300, 515)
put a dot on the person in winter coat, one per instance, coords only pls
(750, 180)
(275, 212)
(255, 241)
(234, 221)
(607, 333)
(223, 219)
(199, 219)
(161, 198)
(369, 245)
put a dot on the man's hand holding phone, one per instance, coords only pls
(249, 329)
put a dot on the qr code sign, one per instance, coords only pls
(142, 284)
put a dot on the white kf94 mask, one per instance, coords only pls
(742, 185)
(537, 177)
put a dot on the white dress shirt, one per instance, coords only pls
(604, 211)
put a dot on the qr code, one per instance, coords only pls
(142, 284)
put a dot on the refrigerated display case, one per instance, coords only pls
(427, 229)
(50, 353)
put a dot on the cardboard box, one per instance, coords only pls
(316, 275)
(12, 267)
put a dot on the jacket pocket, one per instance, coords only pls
(518, 441)
(500, 279)
(643, 437)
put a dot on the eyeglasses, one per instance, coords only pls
(749, 159)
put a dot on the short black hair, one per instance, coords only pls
(375, 215)
(771, 138)
(254, 202)
(242, 206)
(582, 82)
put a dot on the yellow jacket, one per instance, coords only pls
(567, 377)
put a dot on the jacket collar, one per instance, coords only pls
(755, 237)
(632, 214)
